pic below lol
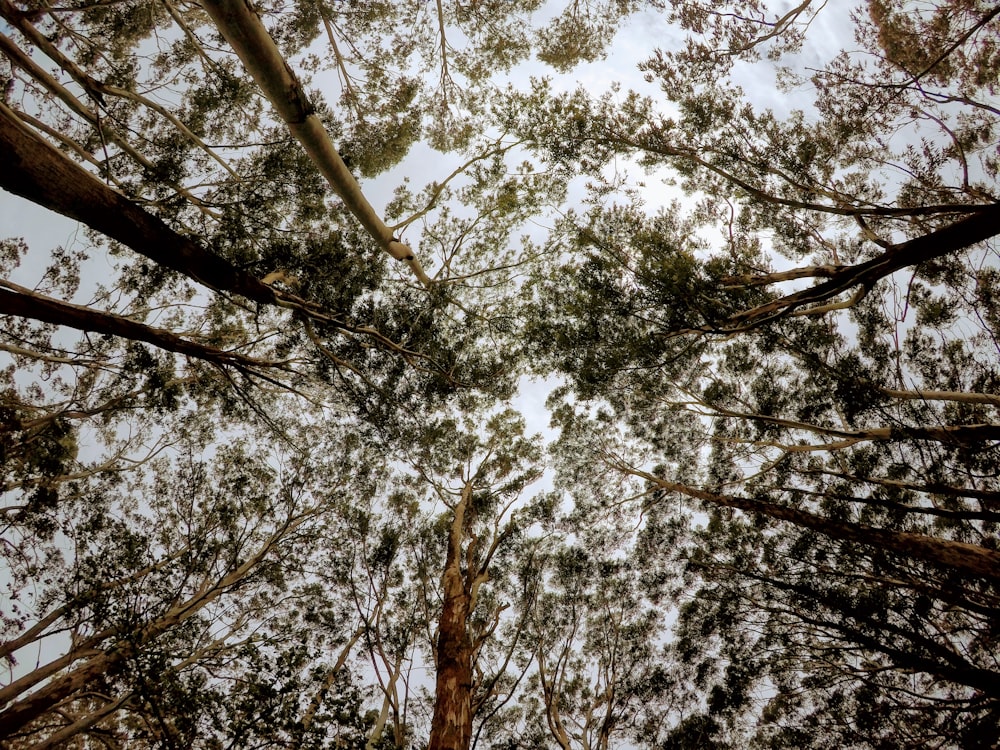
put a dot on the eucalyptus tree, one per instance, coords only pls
(154, 137)
(471, 474)
(175, 604)
(237, 471)
(804, 349)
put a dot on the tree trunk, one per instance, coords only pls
(451, 727)
(24, 303)
(34, 169)
(960, 556)
(375, 737)
(245, 32)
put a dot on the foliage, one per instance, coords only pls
(262, 482)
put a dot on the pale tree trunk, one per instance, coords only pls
(550, 696)
(245, 32)
(387, 704)
(317, 701)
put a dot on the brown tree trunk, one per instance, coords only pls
(451, 727)
(24, 303)
(960, 556)
(34, 169)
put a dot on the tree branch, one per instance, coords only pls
(245, 32)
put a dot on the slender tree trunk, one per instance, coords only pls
(245, 32)
(451, 726)
(960, 556)
(317, 701)
(387, 701)
(26, 304)
(550, 698)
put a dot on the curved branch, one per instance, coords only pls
(939, 243)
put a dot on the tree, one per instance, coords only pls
(158, 607)
(471, 547)
(860, 401)
(261, 482)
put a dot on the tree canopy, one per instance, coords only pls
(264, 481)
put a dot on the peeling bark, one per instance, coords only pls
(451, 726)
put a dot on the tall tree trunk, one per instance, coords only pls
(451, 727)
(970, 559)
(245, 32)
(36, 170)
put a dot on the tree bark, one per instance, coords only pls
(959, 556)
(451, 726)
(26, 304)
(34, 169)
(245, 32)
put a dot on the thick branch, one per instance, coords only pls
(957, 236)
(965, 434)
(243, 29)
(988, 497)
(959, 556)
(27, 304)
